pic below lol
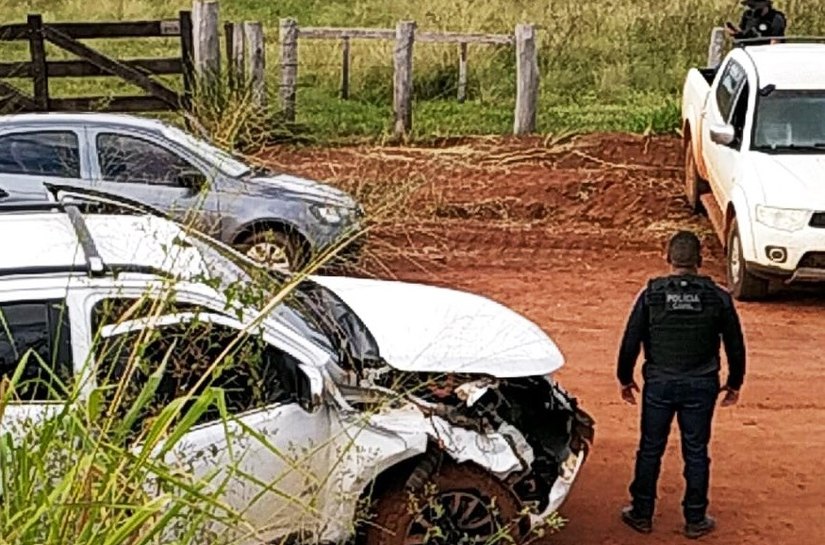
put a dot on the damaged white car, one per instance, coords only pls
(373, 390)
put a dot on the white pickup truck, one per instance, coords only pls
(754, 142)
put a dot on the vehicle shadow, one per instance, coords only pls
(813, 296)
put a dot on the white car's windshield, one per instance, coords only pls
(232, 277)
(790, 122)
(220, 159)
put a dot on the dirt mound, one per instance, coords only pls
(607, 181)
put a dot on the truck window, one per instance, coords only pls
(113, 310)
(787, 120)
(740, 114)
(252, 375)
(730, 81)
(37, 333)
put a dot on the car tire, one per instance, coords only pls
(695, 186)
(275, 249)
(467, 495)
(744, 285)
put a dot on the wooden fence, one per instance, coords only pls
(92, 62)
(405, 35)
(199, 62)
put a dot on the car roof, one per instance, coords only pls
(790, 65)
(48, 240)
(94, 118)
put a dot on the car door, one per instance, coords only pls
(147, 168)
(719, 112)
(35, 345)
(30, 156)
(270, 455)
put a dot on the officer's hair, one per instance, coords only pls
(684, 250)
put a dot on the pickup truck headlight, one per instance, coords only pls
(785, 219)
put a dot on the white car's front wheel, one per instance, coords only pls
(743, 283)
(462, 504)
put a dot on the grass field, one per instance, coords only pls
(604, 65)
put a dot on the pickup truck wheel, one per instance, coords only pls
(462, 504)
(694, 184)
(744, 285)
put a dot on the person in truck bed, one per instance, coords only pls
(761, 24)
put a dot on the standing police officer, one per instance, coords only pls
(680, 320)
(760, 20)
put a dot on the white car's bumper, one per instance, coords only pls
(561, 488)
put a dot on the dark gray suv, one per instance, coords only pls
(275, 218)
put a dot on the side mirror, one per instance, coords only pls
(3, 193)
(723, 135)
(192, 179)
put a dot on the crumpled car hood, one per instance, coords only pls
(429, 329)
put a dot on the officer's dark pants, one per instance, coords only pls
(692, 401)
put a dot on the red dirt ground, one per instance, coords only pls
(566, 233)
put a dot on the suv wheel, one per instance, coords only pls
(744, 284)
(461, 505)
(275, 249)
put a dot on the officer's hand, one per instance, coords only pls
(731, 397)
(627, 392)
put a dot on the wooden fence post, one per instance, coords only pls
(717, 42)
(205, 18)
(37, 49)
(253, 35)
(403, 80)
(345, 67)
(289, 67)
(187, 52)
(235, 56)
(462, 71)
(527, 79)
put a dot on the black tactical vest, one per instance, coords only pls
(684, 324)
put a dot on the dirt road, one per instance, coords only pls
(567, 234)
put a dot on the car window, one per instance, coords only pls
(36, 334)
(739, 115)
(729, 83)
(114, 310)
(252, 374)
(128, 159)
(47, 153)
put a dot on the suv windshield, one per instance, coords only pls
(790, 122)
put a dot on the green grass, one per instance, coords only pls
(604, 66)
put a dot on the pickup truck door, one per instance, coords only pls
(144, 167)
(723, 108)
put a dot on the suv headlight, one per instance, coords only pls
(785, 219)
(329, 214)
